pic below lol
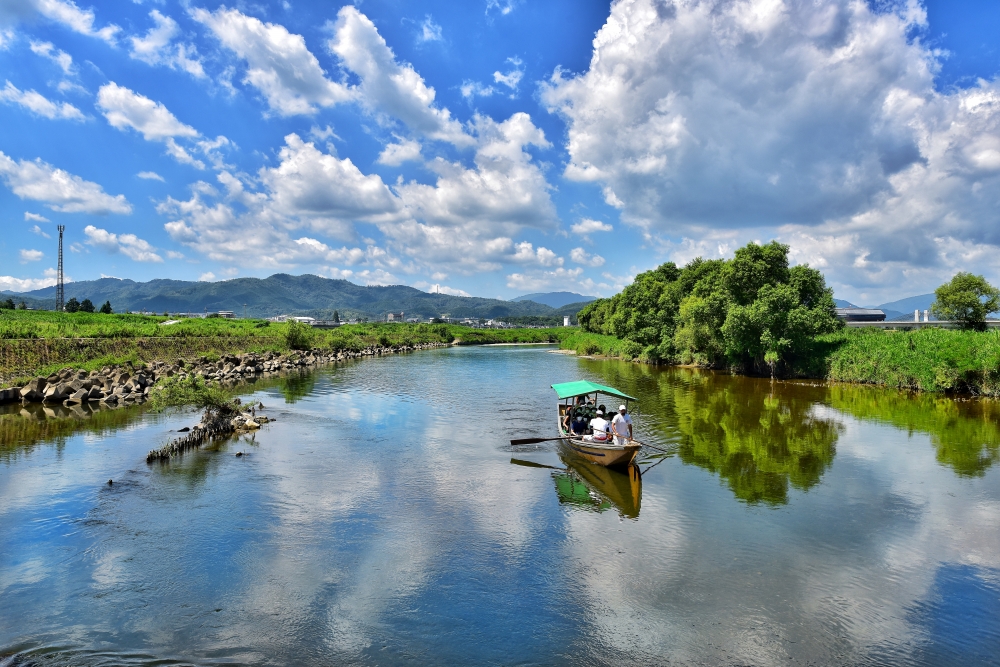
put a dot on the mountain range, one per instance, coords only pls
(290, 295)
(901, 309)
(556, 299)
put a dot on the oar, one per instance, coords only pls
(532, 464)
(659, 449)
(532, 441)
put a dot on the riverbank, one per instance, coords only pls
(39, 343)
(934, 360)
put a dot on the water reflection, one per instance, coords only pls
(584, 485)
(966, 433)
(23, 427)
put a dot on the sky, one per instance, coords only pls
(499, 147)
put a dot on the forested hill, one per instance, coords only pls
(283, 294)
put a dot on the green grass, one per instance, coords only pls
(41, 342)
(923, 360)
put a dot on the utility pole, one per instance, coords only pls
(60, 290)
(244, 311)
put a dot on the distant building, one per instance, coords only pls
(228, 314)
(861, 315)
(565, 320)
(395, 317)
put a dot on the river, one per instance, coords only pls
(384, 518)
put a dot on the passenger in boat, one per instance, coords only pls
(600, 428)
(621, 425)
(574, 421)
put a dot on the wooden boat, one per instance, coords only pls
(610, 453)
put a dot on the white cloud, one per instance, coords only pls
(59, 190)
(441, 289)
(129, 245)
(473, 89)
(279, 64)
(157, 47)
(38, 230)
(28, 284)
(581, 256)
(398, 153)
(525, 253)
(58, 56)
(30, 255)
(387, 85)
(208, 276)
(512, 78)
(504, 7)
(799, 119)
(173, 254)
(150, 176)
(125, 108)
(28, 215)
(38, 104)
(531, 282)
(588, 226)
(64, 12)
(429, 31)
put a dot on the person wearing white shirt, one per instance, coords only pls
(621, 426)
(600, 428)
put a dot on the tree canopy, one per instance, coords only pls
(967, 299)
(753, 312)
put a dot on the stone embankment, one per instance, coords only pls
(129, 384)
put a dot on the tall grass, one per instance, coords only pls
(923, 360)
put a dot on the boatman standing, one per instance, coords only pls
(622, 426)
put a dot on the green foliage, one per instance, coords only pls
(22, 306)
(72, 305)
(298, 336)
(968, 299)
(192, 391)
(7, 305)
(86, 306)
(106, 308)
(752, 312)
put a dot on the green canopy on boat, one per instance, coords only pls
(584, 387)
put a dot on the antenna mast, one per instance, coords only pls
(60, 290)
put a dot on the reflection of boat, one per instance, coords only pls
(609, 453)
(595, 487)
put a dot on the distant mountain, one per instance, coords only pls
(557, 299)
(282, 294)
(908, 305)
(840, 303)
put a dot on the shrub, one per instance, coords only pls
(299, 336)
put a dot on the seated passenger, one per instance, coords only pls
(601, 428)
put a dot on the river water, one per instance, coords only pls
(385, 519)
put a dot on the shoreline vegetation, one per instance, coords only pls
(39, 343)
(756, 315)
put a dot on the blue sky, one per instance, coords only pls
(499, 147)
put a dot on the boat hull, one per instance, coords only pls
(609, 455)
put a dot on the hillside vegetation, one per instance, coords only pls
(285, 294)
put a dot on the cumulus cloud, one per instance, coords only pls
(581, 256)
(157, 47)
(810, 119)
(530, 282)
(129, 245)
(38, 230)
(279, 64)
(398, 153)
(30, 255)
(512, 78)
(388, 86)
(472, 89)
(28, 215)
(589, 226)
(63, 12)
(124, 108)
(38, 104)
(58, 189)
(58, 56)
(429, 31)
(206, 277)
(29, 284)
(150, 176)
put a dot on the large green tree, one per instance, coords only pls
(966, 299)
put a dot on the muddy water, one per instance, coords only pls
(384, 518)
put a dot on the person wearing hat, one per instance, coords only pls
(600, 428)
(621, 426)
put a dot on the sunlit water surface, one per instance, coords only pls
(384, 518)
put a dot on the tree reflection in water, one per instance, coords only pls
(965, 431)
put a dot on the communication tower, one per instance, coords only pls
(60, 291)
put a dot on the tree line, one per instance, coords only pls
(72, 306)
(753, 313)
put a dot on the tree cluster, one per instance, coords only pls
(967, 299)
(752, 312)
(86, 306)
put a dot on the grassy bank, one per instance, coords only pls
(924, 360)
(39, 342)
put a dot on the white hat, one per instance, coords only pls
(622, 407)
(600, 412)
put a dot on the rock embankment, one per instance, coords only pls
(128, 384)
